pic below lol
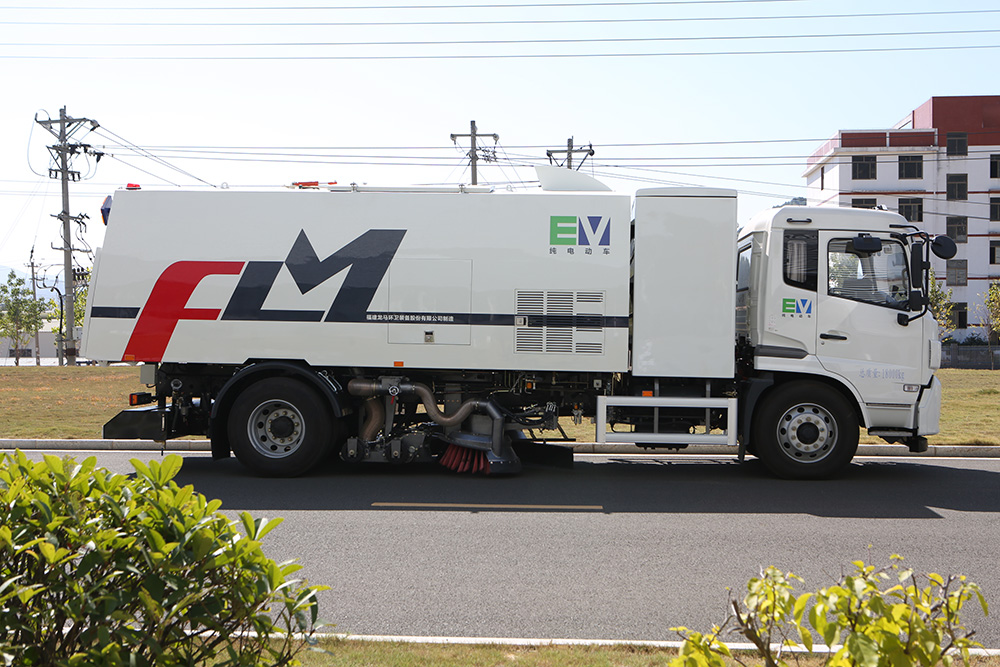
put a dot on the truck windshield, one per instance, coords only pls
(880, 278)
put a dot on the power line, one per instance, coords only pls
(688, 161)
(654, 19)
(182, 147)
(144, 153)
(148, 173)
(512, 56)
(556, 5)
(494, 42)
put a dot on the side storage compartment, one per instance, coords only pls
(684, 281)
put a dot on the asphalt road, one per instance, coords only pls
(617, 548)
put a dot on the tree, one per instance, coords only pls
(989, 316)
(941, 307)
(21, 314)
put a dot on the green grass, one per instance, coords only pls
(353, 653)
(970, 408)
(53, 402)
(62, 402)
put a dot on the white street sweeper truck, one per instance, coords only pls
(459, 324)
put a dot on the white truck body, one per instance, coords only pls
(499, 295)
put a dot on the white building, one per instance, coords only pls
(46, 349)
(940, 168)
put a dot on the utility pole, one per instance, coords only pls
(473, 149)
(589, 150)
(63, 129)
(34, 295)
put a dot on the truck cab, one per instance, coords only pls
(840, 296)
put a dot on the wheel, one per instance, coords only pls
(805, 430)
(279, 427)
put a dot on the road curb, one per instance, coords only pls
(933, 451)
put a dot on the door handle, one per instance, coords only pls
(830, 336)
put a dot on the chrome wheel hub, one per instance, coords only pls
(807, 432)
(276, 429)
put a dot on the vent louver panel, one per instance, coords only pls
(559, 322)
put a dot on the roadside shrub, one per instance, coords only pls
(886, 617)
(104, 569)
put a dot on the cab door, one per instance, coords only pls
(860, 296)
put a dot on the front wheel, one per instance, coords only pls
(805, 430)
(279, 427)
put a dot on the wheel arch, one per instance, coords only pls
(781, 379)
(327, 387)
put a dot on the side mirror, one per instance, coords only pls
(917, 301)
(943, 247)
(917, 265)
(867, 244)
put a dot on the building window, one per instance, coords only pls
(995, 165)
(863, 167)
(960, 315)
(911, 166)
(958, 186)
(958, 228)
(994, 252)
(864, 203)
(994, 209)
(958, 272)
(958, 143)
(912, 208)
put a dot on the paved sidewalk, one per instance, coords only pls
(974, 451)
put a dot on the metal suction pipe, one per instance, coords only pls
(374, 417)
(361, 387)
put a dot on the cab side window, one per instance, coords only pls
(743, 268)
(800, 258)
(879, 278)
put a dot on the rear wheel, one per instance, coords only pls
(279, 427)
(805, 430)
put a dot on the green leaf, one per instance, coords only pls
(141, 468)
(54, 463)
(267, 528)
(862, 649)
(806, 637)
(170, 467)
(48, 551)
(800, 606)
(982, 601)
(249, 528)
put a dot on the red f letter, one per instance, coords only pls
(166, 306)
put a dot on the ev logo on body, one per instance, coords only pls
(796, 307)
(594, 230)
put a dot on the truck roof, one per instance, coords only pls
(825, 217)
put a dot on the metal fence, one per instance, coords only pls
(969, 356)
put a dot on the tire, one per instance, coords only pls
(805, 430)
(279, 427)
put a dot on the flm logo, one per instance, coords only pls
(572, 230)
(797, 306)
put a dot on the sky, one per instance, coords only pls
(722, 93)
